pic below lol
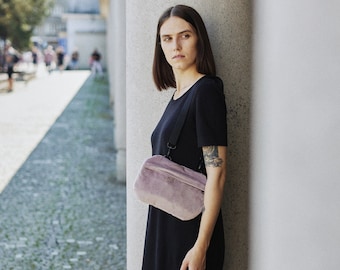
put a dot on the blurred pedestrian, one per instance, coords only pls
(34, 55)
(49, 57)
(96, 67)
(60, 57)
(11, 58)
(74, 60)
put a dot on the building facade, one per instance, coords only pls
(76, 26)
(53, 28)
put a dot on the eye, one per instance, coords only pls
(166, 39)
(185, 36)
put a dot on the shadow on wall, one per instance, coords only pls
(234, 63)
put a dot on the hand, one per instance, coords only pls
(194, 260)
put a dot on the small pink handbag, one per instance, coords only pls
(171, 187)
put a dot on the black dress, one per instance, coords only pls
(168, 239)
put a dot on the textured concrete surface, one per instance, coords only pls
(63, 208)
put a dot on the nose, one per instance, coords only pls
(176, 44)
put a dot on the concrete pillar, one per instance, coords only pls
(295, 147)
(228, 23)
(117, 75)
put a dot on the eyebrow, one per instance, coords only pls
(179, 33)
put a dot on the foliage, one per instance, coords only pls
(19, 17)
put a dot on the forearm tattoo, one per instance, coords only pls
(211, 158)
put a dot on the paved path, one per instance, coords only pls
(28, 112)
(62, 208)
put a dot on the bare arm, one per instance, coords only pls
(215, 158)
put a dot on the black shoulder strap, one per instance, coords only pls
(180, 121)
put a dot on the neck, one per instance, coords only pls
(185, 80)
(185, 83)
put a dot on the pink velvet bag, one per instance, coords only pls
(171, 187)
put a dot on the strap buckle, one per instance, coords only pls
(170, 147)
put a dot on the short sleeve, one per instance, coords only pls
(211, 112)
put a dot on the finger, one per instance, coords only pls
(184, 266)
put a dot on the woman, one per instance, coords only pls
(183, 60)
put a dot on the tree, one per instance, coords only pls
(19, 17)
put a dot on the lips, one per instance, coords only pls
(179, 56)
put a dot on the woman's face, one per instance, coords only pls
(178, 42)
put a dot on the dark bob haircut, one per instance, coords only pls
(162, 72)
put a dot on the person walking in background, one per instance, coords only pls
(60, 57)
(11, 58)
(183, 60)
(96, 67)
(49, 58)
(35, 51)
(74, 60)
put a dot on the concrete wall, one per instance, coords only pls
(229, 25)
(114, 13)
(118, 84)
(296, 129)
